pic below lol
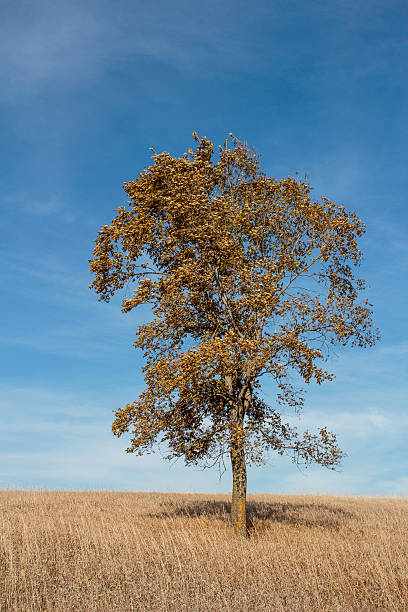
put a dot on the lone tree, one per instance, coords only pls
(247, 276)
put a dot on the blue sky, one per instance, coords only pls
(87, 88)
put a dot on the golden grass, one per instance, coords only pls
(85, 551)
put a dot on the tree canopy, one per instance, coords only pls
(247, 276)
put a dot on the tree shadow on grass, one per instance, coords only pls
(261, 514)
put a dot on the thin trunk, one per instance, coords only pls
(239, 480)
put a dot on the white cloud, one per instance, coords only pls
(56, 40)
(63, 440)
(322, 482)
(394, 349)
(398, 486)
(70, 43)
(53, 204)
(362, 424)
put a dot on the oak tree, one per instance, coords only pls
(247, 276)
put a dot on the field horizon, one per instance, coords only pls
(123, 551)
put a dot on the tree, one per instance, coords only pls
(247, 276)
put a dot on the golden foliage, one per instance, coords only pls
(247, 276)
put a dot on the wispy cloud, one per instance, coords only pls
(53, 41)
(321, 481)
(70, 43)
(356, 426)
(52, 205)
(395, 349)
(72, 446)
(397, 486)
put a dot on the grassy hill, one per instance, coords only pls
(86, 551)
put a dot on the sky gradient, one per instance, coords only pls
(86, 88)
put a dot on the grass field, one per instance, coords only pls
(69, 551)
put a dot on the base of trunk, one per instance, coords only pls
(238, 517)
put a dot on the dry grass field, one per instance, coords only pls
(69, 551)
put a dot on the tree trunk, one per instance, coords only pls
(239, 480)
